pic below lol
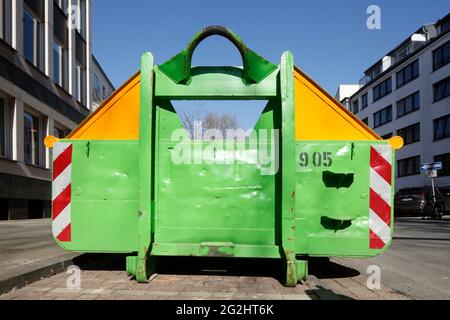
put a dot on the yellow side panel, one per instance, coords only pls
(117, 118)
(318, 116)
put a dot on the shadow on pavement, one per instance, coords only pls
(221, 267)
(101, 261)
(187, 265)
(323, 268)
(190, 265)
(326, 294)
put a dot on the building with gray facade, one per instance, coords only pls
(47, 74)
(407, 93)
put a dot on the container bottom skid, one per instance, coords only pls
(296, 271)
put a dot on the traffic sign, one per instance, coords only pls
(431, 166)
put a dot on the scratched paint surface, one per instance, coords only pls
(104, 196)
(219, 207)
(333, 189)
(216, 205)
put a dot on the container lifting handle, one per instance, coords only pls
(217, 31)
(256, 68)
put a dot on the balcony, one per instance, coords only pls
(391, 60)
(404, 52)
(364, 80)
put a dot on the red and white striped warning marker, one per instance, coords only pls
(62, 190)
(380, 196)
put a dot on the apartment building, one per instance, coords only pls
(345, 91)
(47, 87)
(102, 87)
(407, 93)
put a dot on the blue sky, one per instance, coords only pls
(329, 39)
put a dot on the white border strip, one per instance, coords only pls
(62, 182)
(62, 221)
(379, 227)
(59, 148)
(381, 187)
(385, 151)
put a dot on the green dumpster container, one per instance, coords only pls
(310, 180)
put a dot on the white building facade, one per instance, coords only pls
(46, 88)
(407, 93)
(345, 91)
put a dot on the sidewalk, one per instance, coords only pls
(28, 253)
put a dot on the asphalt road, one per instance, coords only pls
(418, 263)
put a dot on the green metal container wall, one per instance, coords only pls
(131, 197)
(199, 207)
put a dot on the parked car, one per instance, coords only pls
(416, 201)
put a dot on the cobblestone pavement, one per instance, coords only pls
(185, 280)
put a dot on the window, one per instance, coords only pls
(445, 159)
(364, 101)
(382, 90)
(410, 134)
(408, 105)
(97, 94)
(32, 39)
(81, 27)
(441, 89)
(59, 133)
(441, 56)
(409, 167)
(80, 50)
(59, 64)
(5, 126)
(366, 121)
(442, 128)
(387, 136)
(31, 139)
(62, 4)
(96, 84)
(445, 26)
(408, 74)
(382, 117)
(355, 106)
(5, 21)
(2, 128)
(79, 76)
(60, 26)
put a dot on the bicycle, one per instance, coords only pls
(433, 211)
